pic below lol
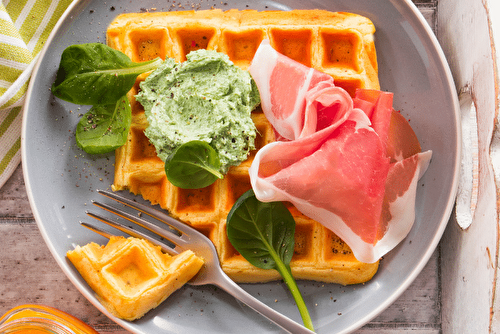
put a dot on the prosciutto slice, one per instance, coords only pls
(333, 162)
(290, 81)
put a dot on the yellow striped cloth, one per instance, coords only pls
(24, 28)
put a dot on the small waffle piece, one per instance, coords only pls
(131, 276)
(340, 44)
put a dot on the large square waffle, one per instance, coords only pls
(340, 44)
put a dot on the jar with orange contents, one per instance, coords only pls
(39, 319)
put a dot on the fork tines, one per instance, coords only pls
(175, 241)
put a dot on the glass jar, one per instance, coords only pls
(39, 319)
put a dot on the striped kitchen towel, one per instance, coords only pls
(24, 28)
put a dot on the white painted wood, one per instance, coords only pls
(493, 7)
(466, 202)
(470, 257)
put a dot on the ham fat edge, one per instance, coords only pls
(345, 162)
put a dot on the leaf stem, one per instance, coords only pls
(286, 273)
(253, 225)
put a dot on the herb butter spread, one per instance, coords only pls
(204, 98)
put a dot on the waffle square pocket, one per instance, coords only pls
(131, 276)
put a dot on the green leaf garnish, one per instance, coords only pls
(95, 73)
(104, 128)
(263, 233)
(193, 165)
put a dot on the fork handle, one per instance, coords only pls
(228, 285)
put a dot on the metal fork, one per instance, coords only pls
(185, 237)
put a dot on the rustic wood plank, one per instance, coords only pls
(14, 201)
(470, 263)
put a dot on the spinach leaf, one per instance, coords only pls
(263, 233)
(95, 73)
(104, 128)
(193, 165)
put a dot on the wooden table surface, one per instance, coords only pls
(29, 274)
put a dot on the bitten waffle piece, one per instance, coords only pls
(340, 44)
(131, 276)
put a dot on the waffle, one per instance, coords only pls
(340, 44)
(131, 276)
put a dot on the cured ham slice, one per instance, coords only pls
(341, 163)
(378, 107)
(290, 81)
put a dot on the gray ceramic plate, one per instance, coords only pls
(61, 179)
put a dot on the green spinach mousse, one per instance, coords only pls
(205, 98)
